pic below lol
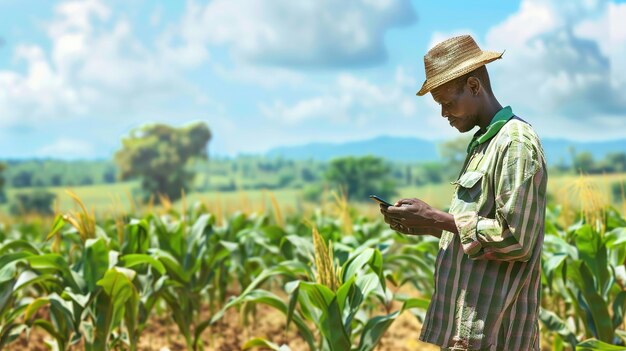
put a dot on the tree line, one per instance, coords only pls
(165, 160)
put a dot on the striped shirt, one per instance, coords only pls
(488, 277)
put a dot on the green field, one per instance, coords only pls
(114, 198)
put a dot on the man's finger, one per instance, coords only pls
(392, 221)
(397, 215)
(400, 228)
(404, 201)
(395, 210)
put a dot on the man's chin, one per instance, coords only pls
(461, 129)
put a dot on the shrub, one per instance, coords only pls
(618, 191)
(39, 201)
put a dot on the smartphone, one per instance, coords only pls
(380, 201)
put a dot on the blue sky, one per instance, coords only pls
(76, 76)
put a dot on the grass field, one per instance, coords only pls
(110, 198)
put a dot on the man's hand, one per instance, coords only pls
(399, 227)
(417, 217)
(412, 213)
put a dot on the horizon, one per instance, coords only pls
(273, 153)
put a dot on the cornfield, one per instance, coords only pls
(335, 277)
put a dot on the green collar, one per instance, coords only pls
(497, 122)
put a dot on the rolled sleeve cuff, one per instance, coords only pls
(467, 223)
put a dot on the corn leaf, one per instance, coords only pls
(58, 223)
(374, 331)
(117, 289)
(96, 262)
(10, 332)
(619, 304)
(50, 329)
(555, 324)
(415, 303)
(136, 237)
(54, 262)
(597, 345)
(592, 251)
(598, 306)
(132, 260)
(260, 342)
(34, 306)
(330, 324)
(270, 299)
(19, 245)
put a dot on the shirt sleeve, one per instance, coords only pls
(519, 186)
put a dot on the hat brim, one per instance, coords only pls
(484, 58)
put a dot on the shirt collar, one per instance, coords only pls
(497, 122)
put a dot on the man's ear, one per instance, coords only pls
(474, 85)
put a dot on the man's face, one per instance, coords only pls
(460, 108)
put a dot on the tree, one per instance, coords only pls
(618, 191)
(109, 175)
(453, 153)
(434, 172)
(56, 180)
(308, 175)
(159, 154)
(617, 160)
(39, 201)
(583, 162)
(409, 175)
(361, 177)
(23, 179)
(3, 197)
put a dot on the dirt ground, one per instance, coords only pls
(162, 334)
(230, 333)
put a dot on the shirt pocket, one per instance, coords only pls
(469, 186)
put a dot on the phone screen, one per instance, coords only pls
(379, 200)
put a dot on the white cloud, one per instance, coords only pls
(609, 32)
(533, 18)
(353, 100)
(95, 64)
(67, 149)
(564, 61)
(565, 65)
(309, 33)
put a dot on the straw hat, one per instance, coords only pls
(453, 58)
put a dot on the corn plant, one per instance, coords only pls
(11, 285)
(584, 274)
(89, 296)
(200, 261)
(413, 263)
(333, 297)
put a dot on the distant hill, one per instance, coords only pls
(420, 150)
(392, 148)
(558, 150)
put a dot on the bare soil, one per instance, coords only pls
(233, 331)
(162, 334)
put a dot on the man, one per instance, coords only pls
(488, 270)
